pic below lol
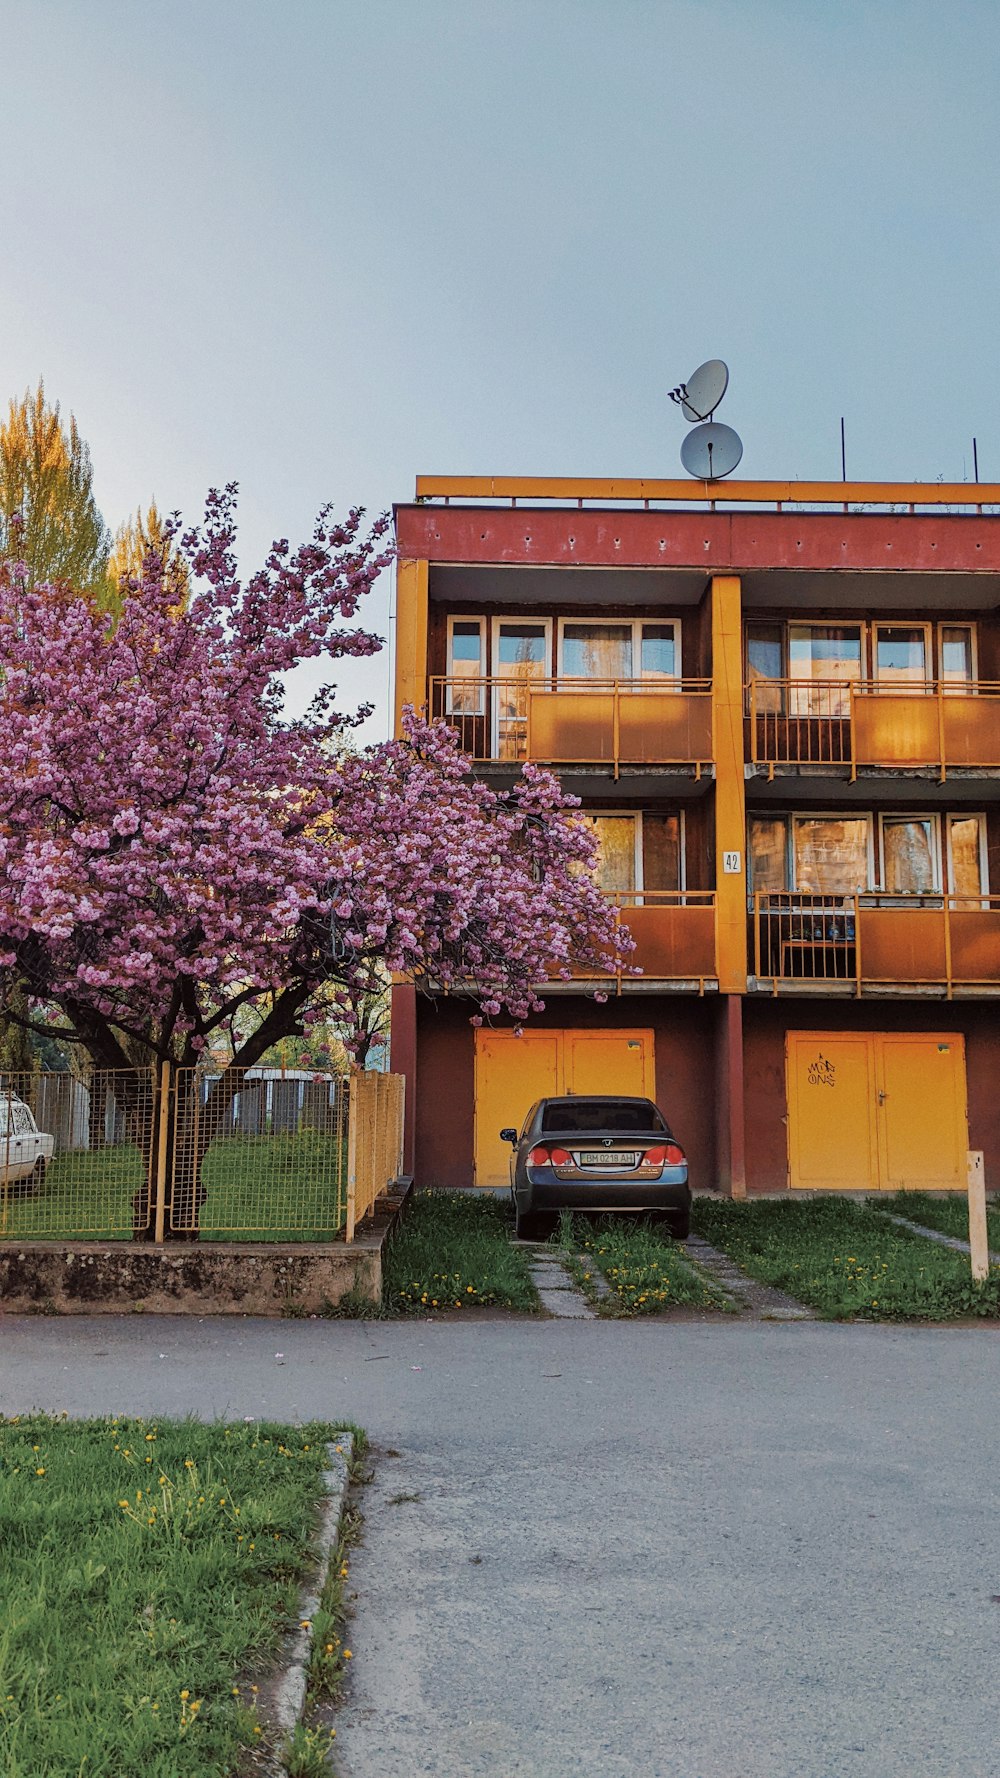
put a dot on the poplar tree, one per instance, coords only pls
(49, 519)
(130, 553)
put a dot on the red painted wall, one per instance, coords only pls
(686, 1051)
(766, 1022)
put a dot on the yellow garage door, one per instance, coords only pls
(512, 1072)
(876, 1111)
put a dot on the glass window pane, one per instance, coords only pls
(659, 651)
(909, 863)
(830, 655)
(521, 645)
(597, 651)
(615, 867)
(830, 855)
(466, 665)
(765, 662)
(966, 856)
(956, 655)
(901, 654)
(661, 852)
(768, 848)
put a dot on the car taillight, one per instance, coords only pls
(550, 1157)
(669, 1155)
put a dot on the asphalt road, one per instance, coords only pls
(728, 1550)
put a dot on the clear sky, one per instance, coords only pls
(315, 246)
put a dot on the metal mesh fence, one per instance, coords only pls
(76, 1156)
(247, 1154)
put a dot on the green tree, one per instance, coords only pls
(48, 515)
(133, 543)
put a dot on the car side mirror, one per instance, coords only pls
(509, 1136)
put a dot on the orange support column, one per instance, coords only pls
(730, 1124)
(730, 790)
(411, 636)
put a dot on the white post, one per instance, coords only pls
(978, 1242)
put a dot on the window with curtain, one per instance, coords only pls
(765, 665)
(966, 856)
(767, 853)
(909, 854)
(597, 651)
(615, 865)
(828, 655)
(955, 669)
(661, 851)
(830, 854)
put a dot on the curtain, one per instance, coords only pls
(831, 857)
(909, 857)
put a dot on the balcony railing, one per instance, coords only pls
(942, 725)
(560, 721)
(876, 941)
(674, 932)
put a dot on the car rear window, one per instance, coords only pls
(602, 1114)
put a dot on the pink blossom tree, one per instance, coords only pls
(179, 861)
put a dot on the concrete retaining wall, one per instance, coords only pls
(210, 1278)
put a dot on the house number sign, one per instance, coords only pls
(732, 863)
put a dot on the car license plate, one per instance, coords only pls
(606, 1159)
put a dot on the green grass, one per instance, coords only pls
(949, 1215)
(453, 1251)
(147, 1570)
(846, 1261)
(260, 1188)
(644, 1268)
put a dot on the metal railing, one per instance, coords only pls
(182, 1154)
(937, 724)
(876, 940)
(565, 721)
(674, 932)
(600, 491)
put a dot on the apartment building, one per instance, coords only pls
(779, 704)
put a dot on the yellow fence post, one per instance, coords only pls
(162, 1131)
(978, 1241)
(352, 1155)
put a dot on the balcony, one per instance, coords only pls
(594, 722)
(939, 945)
(917, 726)
(674, 932)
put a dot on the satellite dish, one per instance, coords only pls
(704, 389)
(711, 451)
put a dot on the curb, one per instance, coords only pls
(289, 1696)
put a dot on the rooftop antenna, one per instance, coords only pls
(711, 450)
(975, 462)
(843, 452)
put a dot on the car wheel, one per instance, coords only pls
(36, 1178)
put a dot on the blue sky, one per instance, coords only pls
(316, 246)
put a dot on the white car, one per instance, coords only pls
(24, 1151)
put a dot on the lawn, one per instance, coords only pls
(950, 1215)
(846, 1261)
(285, 1187)
(645, 1269)
(452, 1251)
(147, 1572)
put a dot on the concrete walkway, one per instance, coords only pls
(637, 1549)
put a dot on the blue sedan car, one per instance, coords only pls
(596, 1155)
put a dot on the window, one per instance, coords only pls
(637, 852)
(765, 665)
(520, 656)
(767, 849)
(956, 656)
(967, 867)
(901, 655)
(830, 854)
(830, 657)
(618, 649)
(466, 667)
(910, 855)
